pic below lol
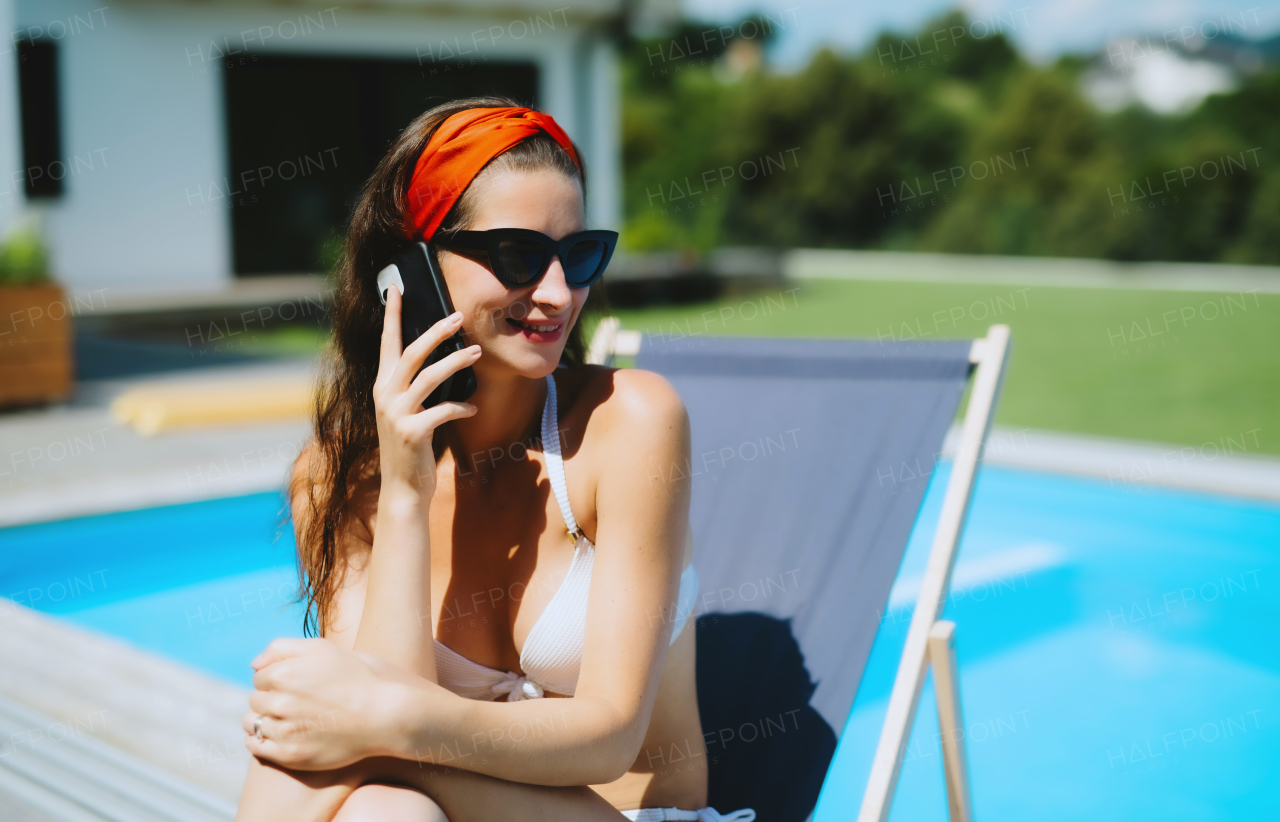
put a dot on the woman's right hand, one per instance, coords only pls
(405, 428)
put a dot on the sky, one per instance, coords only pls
(1042, 29)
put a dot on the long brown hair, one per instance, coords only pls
(345, 438)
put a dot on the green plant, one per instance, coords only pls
(925, 141)
(23, 259)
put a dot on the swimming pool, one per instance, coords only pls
(1117, 657)
(206, 583)
(1116, 650)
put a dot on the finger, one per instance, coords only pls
(252, 718)
(389, 349)
(279, 649)
(429, 419)
(286, 755)
(271, 728)
(258, 749)
(266, 748)
(274, 677)
(417, 351)
(431, 377)
(267, 704)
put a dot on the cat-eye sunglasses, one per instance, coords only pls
(520, 257)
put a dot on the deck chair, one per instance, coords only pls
(810, 459)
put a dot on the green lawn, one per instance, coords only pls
(1169, 366)
(1180, 367)
(289, 340)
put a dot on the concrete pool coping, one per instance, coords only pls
(1228, 466)
(75, 460)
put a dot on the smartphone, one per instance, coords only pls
(415, 271)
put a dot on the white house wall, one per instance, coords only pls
(10, 135)
(143, 124)
(604, 115)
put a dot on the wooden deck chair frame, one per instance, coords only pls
(930, 641)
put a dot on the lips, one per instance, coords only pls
(535, 327)
(542, 332)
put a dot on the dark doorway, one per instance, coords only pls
(41, 125)
(304, 133)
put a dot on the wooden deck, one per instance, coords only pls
(92, 728)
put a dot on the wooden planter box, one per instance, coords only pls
(36, 363)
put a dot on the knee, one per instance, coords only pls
(388, 803)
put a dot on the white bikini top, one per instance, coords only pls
(552, 654)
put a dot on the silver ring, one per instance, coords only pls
(257, 727)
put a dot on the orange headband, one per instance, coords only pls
(463, 144)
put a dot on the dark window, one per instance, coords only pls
(305, 133)
(41, 126)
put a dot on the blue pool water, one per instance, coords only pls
(1117, 654)
(1116, 646)
(206, 583)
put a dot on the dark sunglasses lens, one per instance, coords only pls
(583, 260)
(521, 261)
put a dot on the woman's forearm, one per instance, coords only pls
(549, 741)
(396, 621)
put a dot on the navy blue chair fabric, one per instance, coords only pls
(809, 462)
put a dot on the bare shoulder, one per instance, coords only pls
(630, 425)
(627, 403)
(302, 484)
(308, 491)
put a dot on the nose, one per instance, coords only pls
(552, 293)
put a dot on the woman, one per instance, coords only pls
(464, 672)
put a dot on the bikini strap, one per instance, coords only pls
(555, 465)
